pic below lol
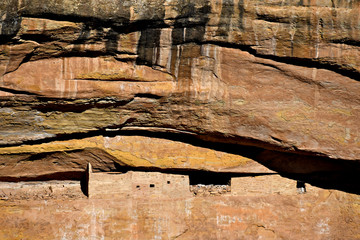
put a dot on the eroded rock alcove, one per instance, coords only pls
(209, 89)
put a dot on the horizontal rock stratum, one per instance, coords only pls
(271, 81)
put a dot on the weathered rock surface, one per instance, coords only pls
(68, 159)
(318, 214)
(234, 86)
(281, 76)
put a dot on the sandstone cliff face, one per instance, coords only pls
(243, 217)
(265, 207)
(280, 76)
(229, 86)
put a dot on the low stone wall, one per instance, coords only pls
(40, 190)
(268, 184)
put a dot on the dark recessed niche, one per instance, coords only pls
(300, 187)
(152, 185)
(168, 182)
(137, 187)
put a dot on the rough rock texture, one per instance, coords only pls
(279, 77)
(318, 214)
(240, 86)
(48, 160)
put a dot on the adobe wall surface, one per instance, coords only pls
(104, 185)
(155, 183)
(137, 184)
(267, 184)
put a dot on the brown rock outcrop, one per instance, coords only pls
(236, 86)
(280, 78)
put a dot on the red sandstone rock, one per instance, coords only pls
(318, 214)
(218, 89)
(225, 86)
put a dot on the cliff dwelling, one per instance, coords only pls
(136, 184)
(142, 184)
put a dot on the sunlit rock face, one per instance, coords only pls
(266, 207)
(275, 74)
(228, 86)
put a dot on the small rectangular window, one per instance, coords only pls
(152, 185)
(168, 182)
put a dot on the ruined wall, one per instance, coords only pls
(137, 184)
(10, 191)
(269, 184)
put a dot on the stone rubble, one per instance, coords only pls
(201, 190)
